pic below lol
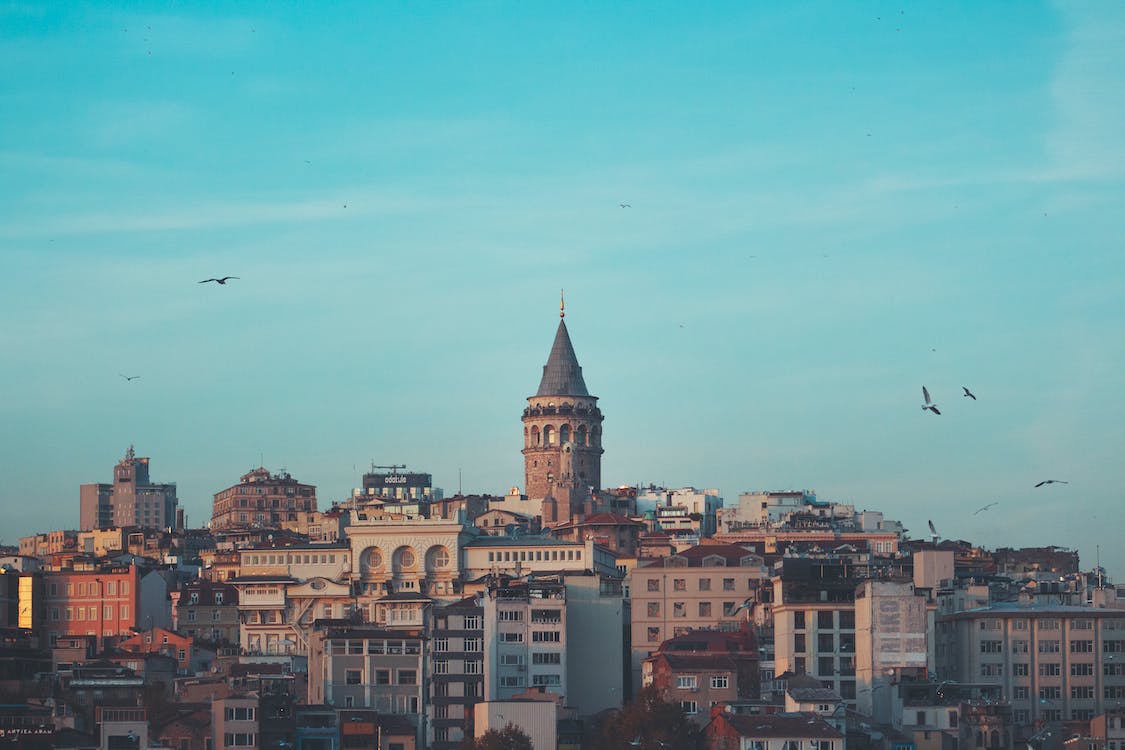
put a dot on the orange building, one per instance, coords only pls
(103, 601)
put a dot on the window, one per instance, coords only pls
(239, 713)
(653, 634)
(990, 624)
(689, 707)
(991, 647)
(1081, 647)
(1021, 670)
(1019, 646)
(382, 677)
(472, 644)
(686, 682)
(511, 637)
(826, 666)
(471, 667)
(705, 609)
(799, 621)
(1050, 693)
(1081, 670)
(551, 658)
(1048, 624)
(991, 670)
(1048, 647)
(473, 622)
(678, 609)
(847, 620)
(1047, 669)
(546, 680)
(510, 615)
(1082, 692)
(825, 643)
(410, 676)
(1021, 692)
(238, 739)
(441, 667)
(704, 584)
(728, 584)
(654, 584)
(441, 644)
(728, 609)
(679, 584)
(543, 636)
(824, 620)
(353, 677)
(719, 682)
(799, 643)
(654, 609)
(1081, 624)
(1019, 623)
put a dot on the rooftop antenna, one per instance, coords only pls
(458, 480)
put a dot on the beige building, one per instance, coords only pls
(262, 499)
(419, 556)
(1052, 662)
(711, 586)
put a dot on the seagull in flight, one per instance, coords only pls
(128, 377)
(981, 510)
(1051, 481)
(223, 280)
(625, 205)
(929, 405)
(968, 393)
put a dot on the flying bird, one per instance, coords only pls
(968, 393)
(929, 405)
(933, 532)
(1051, 481)
(982, 510)
(223, 280)
(128, 377)
(625, 205)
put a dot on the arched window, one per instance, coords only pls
(564, 434)
(595, 436)
(405, 559)
(549, 435)
(535, 437)
(580, 436)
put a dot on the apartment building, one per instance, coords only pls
(1052, 662)
(525, 644)
(103, 601)
(711, 586)
(703, 668)
(457, 671)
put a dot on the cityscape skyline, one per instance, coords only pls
(825, 210)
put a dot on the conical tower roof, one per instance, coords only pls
(562, 376)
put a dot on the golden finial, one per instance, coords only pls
(562, 305)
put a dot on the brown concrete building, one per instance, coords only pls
(562, 434)
(265, 500)
(705, 667)
(131, 500)
(610, 530)
(208, 611)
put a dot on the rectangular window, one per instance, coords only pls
(1020, 670)
(689, 707)
(991, 670)
(990, 624)
(472, 622)
(719, 682)
(991, 647)
(472, 644)
(1047, 669)
(472, 667)
(653, 634)
(441, 667)
(544, 636)
(686, 682)
(546, 680)
(1081, 670)
(653, 609)
(799, 643)
(410, 676)
(679, 584)
(825, 643)
(353, 677)
(705, 609)
(799, 621)
(824, 620)
(1082, 692)
(1048, 647)
(511, 637)
(704, 584)
(1019, 646)
(728, 584)
(441, 645)
(382, 677)
(1050, 693)
(654, 584)
(678, 609)
(550, 658)
(1081, 647)
(1021, 692)
(510, 615)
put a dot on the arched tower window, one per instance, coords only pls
(535, 437)
(580, 436)
(549, 435)
(405, 559)
(564, 434)
(526, 438)
(595, 437)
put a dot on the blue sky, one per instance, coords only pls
(831, 204)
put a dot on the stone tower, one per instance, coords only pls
(562, 433)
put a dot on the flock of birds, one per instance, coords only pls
(929, 405)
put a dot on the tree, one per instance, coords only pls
(510, 737)
(649, 723)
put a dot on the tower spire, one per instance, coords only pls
(562, 304)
